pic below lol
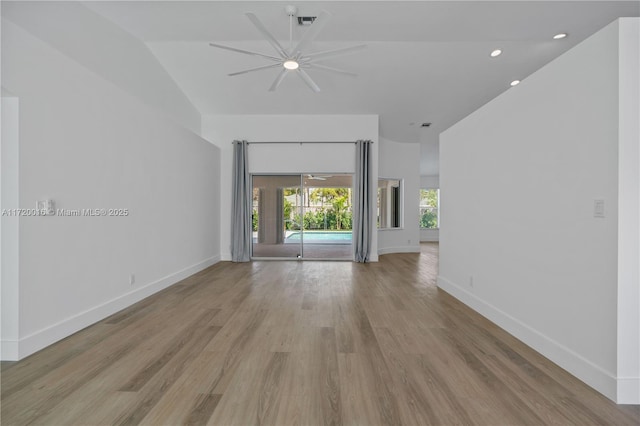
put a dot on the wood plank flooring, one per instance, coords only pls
(300, 343)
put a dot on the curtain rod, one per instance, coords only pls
(297, 142)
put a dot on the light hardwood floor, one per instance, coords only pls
(300, 343)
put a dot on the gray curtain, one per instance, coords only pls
(280, 217)
(240, 205)
(362, 206)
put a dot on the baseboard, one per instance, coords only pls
(47, 336)
(628, 390)
(593, 375)
(404, 249)
(429, 235)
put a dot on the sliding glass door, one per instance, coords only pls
(303, 216)
(327, 216)
(276, 205)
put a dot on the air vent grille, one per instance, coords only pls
(306, 20)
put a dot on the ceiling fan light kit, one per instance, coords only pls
(294, 59)
(291, 64)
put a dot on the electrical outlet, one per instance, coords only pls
(132, 279)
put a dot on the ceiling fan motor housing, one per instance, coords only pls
(291, 10)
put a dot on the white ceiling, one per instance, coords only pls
(426, 61)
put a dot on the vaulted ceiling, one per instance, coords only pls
(426, 61)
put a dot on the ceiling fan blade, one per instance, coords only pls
(278, 80)
(331, 69)
(334, 52)
(267, 35)
(312, 32)
(305, 77)
(254, 69)
(246, 52)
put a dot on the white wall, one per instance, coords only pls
(518, 181)
(402, 161)
(86, 143)
(429, 182)
(629, 214)
(294, 158)
(106, 49)
(9, 262)
(222, 130)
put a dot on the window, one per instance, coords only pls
(429, 208)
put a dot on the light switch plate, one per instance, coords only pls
(598, 208)
(48, 206)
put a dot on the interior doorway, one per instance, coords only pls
(302, 216)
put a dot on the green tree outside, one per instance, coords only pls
(330, 210)
(429, 208)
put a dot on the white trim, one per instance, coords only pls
(430, 239)
(628, 296)
(429, 234)
(601, 380)
(404, 249)
(10, 228)
(9, 350)
(49, 335)
(628, 390)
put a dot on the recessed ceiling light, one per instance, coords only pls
(290, 64)
(495, 53)
(515, 82)
(560, 36)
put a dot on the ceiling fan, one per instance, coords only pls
(294, 58)
(323, 177)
